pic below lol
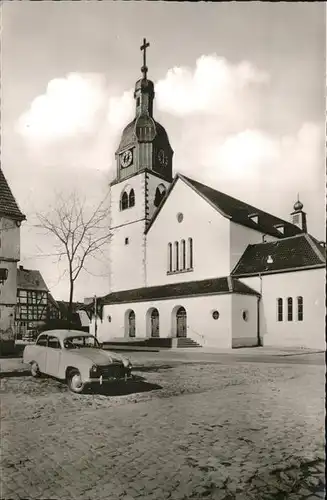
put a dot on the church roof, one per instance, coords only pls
(235, 210)
(142, 129)
(240, 212)
(8, 204)
(288, 254)
(211, 286)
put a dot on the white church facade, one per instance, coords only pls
(190, 265)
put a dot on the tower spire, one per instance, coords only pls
(143, 47)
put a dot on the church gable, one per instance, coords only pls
(187, 236)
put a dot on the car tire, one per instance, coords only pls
(35, 370)
(74, 381)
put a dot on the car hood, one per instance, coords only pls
(99, 356)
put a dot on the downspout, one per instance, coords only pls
(95, 317)
(258, 314)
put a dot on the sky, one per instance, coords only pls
(240, 89)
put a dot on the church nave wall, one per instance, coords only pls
(201, 324)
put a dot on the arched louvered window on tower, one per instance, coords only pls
(176, 245)
(124, 201)
(131, 198)
(183, 255)
(159, 195)
(190, 254)
(170, 257)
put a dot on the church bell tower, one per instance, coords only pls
(143, 174)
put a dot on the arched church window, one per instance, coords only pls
(124, 201)
(183, 255)
(279, 309)
(289, 309)
(131, 198)
(176, 255)
(300, 308)
(170, 257)
(159, 195)
(190, 253)
(131, 324)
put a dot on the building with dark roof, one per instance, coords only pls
(296, 253)
(196, 266)
(11, 218)
(33, 302)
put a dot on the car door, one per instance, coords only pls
(53, 356)
(40, 349)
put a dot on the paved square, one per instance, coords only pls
(215, 429)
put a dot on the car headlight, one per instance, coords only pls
(127, 363)
(94, 369)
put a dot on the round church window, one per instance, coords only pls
(180, 217)
(215, 314)
(245, 315)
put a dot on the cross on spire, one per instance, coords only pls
(143, 47)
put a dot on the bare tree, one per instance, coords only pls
(80, 234)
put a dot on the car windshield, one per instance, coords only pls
(81, 341)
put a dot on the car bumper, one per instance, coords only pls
(107, 380)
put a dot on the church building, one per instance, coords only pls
(190, 265)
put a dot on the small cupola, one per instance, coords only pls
(298, 216)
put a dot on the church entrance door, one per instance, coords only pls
(155, 323)
(131, 324)
(181, 328)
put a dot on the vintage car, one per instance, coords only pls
(76, 357)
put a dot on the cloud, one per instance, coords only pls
(264, 169)
(214, 87)
(242, 154)
(120, 110)
(68, 107)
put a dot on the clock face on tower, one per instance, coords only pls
(162, 158)
(126, 158)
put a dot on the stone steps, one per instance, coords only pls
(186, 342)
(154, 342)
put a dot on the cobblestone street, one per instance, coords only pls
(183, 430)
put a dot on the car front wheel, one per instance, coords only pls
(35, 370)
(74, 381)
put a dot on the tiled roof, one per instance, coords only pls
(8, 205)
(239, 211)
(301, 251)
(185, 289)
(30, 279)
